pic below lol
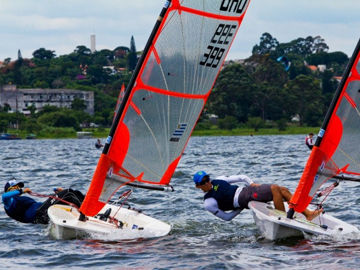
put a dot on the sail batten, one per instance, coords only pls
(165, 97)
(335, 154)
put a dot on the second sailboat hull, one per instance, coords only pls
(273, 224)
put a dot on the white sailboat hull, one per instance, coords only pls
(65, 224)
(273, 224)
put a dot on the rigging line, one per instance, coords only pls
(349, 157)
(317, 185)
(154, 138)
(143, 165)
(167, 22)
(133, 181)
(123, 184)
(53, 197)
(327, 192)
(357, 111)
(126, 195)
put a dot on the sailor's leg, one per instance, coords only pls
(278, 197)
(286, 195)
(310, 215)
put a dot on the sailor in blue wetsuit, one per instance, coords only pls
(221, 195)
(26, 209)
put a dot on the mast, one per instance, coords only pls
(337, 95)
(134, 76)
(316, 159)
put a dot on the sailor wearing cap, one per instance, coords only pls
(27, 210)
(20, 208)
(226, 201)
(221, 195)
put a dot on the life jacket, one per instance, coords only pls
(307, 142)
(223, 193)
(19, 207)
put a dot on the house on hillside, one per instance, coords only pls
(313, 68)
(21, 99)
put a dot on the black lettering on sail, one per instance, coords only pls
(233, 5)
(218, 32)
(223, 33)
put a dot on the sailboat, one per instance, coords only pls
(335, 156)
(157, 114)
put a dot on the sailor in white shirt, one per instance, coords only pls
(309, 140)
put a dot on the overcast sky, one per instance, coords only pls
(61, 25)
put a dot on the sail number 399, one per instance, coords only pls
(213, 56)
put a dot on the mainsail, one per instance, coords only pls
(165, 96)
(119, 100)
(336, 152)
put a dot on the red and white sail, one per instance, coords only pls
(165, 97)
(336, 153)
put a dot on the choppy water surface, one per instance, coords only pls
(198, 240)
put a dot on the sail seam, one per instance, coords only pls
(141, 86)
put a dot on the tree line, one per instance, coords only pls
(273, 85)
(276, 84)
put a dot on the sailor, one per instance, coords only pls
(26, 209)
(309, 140)
(98, 144)
(222, 196)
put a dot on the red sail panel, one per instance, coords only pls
(337, 152)
(171, 86)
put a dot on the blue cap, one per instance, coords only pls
(12, 183)
(199, 176)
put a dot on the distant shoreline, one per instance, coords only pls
(103, 132)
(251, 132)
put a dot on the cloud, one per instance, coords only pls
(62, 25)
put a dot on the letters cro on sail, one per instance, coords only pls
(170, 87)
(336, 153)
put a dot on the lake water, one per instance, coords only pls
(198, 240)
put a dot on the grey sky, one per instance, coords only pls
(62, 25)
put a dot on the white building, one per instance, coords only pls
(20, 99)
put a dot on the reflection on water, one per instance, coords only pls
(198, 239)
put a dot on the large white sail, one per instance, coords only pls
(165, 96)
